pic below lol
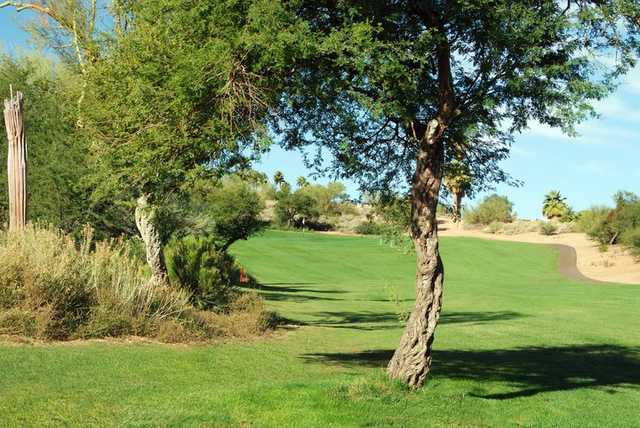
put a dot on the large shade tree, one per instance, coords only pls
(180, 93)
(391, 83)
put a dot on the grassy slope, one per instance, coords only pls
(518, 345)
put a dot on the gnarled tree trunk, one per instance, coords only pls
(16, 162)
(146, 223)
(411, 361)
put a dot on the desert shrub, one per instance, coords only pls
(122, 287)
(245, 316)
(548, 228)
(492, 208)
(108, 321)
(591, 220)
(494, 227)
(319, 225)
(43, 272)
(172, 331)
(631, 238)
(209, 275)
(520, 226)
(608, 226)
(370, 228)
(346, 222)
(568, 227)
(55, 289)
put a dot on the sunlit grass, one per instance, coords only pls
(519, 345)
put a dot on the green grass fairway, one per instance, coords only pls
(518, 345)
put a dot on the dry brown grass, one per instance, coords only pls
(54, 289)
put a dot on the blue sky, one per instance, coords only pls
(587, 169)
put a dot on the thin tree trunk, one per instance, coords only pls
(411, 361)
(145, 221)
(16, 162)
(457, 206)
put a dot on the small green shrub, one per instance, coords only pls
(370, 228)
(608, 226)
(493, 208)
(548, 228)
(631, 238)
(495, 227)
(210, 276)
(590, 221)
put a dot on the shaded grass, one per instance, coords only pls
(519, 345)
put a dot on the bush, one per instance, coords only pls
(245, 316)
(42, 273)
(608, 226)
(548, 228)
(590, 221)
(53, 289)
(295, 209)
(495, 227)
(520, 226)
(631, 238)
(370, 228)
(209, 275)
(226, 211)
(493, 208)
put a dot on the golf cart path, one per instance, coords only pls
(580, 257)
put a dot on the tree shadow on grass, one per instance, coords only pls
(391, 320)
(297, 298)
(281, 291)
(285, 287)
(530, 371)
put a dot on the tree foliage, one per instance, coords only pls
(183, 93)
(493, 208)
(57, 153)
(373, 83)
(555, 206)
(226, 211)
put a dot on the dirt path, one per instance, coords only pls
(580, 257)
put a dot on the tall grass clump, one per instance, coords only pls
(54, 288)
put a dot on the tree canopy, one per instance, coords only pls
(184, 93)
(380, 72)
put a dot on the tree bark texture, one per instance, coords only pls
(457, 206)
(411, 361)
(16, 161)
(145, 221)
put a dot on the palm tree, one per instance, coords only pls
(302, 182)
(278, 178)
(554, 205)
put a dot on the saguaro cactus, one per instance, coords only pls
(16, 161)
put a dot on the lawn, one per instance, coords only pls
(518, 345)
